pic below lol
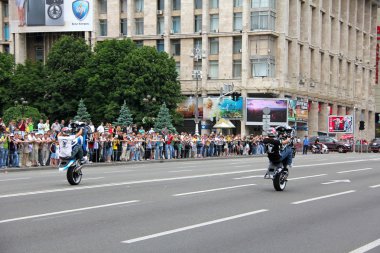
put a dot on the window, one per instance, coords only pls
(6, 31)
(39, 53)
(263, 20)
(236, 69)
(238, 18)
(123, 6)
(139, 5)
(238, 3)
(103, 27)
(237, 45)
(198, 23)
(123, 26)
(198, 43)
(5, 10)
(160, 5)
(198, 4)
(176, 47)
(214, 23)
(176, 5)
(198, 65)
(263, 66)
(160, 46)
(214, 4)
(214, 46)
(178, 68)
(160, 25)
(103, 6)
(176, 24)
(263, 45)
(139, 43)
(214, 69)
(139, 22)
(263, 4)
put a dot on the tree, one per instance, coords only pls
(125, 117)
(6, 73)
(164, 120)
(82, 114)
(18, 112)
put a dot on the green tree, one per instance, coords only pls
(66, 75)
(18, 112)
(125, 117)
(6, 73)
(164, 120)
(82, 114)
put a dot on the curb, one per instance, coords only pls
(41, 168)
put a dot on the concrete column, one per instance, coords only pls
(322, 117)
(131, 18)
(342, 110)
(313, 118)
(243, 127)
(113, 19)
(245, 62)
(334, 109)
(20, 44)
(371, 126)
(205, 44)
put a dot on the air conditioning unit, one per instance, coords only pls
(171, 31)
(160, 12)
(240, 50)
(312, 84)
(216, 30)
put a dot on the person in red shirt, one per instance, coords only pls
(22, 127)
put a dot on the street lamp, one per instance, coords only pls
(197, 54)
(147, 100)
(23, 103)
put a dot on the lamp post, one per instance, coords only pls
(23, 103)
(197, 54)
(147, 100)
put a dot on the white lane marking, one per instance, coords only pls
(192, 166)
(213, 190)
(14, 179)
(338, 181)
(322, 164)
(175, 171)
(122, 184)
(240, 166)
(375, 186)
(322, 197)
(348, 171)
(68, 211)
(297, 178)
(367, 247)
(93, 178)
(138, 239)
(249, 177)
(117, 171)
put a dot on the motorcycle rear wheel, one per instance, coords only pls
(280, 180)
(74, 176)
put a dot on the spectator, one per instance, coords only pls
(306, 144)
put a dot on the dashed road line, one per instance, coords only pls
(213, 190)
(348, 171)
(367, 247)
(322, 197)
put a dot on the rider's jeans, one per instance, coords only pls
(287, 154)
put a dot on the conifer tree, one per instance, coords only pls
(82, 114)
(164, 120)
(125, 117)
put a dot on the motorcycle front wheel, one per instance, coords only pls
(74, 176)
(280, 180)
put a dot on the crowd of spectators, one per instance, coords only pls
(25, 144)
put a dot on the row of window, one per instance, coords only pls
(260, 20)
(176, 4)
(264, 67)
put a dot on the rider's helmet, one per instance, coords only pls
(66, 131)
(271, 132)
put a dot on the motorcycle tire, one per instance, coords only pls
(280, 180)
(74, 176)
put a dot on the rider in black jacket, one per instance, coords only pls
(277, 146)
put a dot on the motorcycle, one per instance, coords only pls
(279, 174)
(73, 170)
(317, 150)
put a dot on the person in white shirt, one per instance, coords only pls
(100, 128)
(41, 127)
(70, 145)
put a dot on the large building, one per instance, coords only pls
(319, 53)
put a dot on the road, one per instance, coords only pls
(331, 204)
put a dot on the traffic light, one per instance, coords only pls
(361, 125)
(235, 96)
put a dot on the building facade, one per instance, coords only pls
(319, 51)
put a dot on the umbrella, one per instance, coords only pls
(224, 123)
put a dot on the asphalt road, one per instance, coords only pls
(331, 204)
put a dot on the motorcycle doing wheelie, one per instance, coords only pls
(71, 152)
(278, 169)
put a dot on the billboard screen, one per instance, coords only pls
(27, 16)
(341, 124)
(278, 111)
(222, 108)
(187, 108)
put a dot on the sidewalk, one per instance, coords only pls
(134, 163)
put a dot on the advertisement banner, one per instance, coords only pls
(222, 108)
(28, 16)
(292, 110)
(302, 113)
(341, 124)
(278, 111)
(187, 108)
